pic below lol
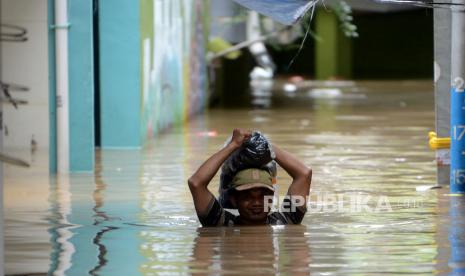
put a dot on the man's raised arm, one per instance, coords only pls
(199, 181)
(300, 173)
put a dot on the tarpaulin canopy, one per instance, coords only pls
(287, 12)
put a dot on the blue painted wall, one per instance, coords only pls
(120, 73)
(81, 85)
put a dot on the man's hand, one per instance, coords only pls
(239, 136)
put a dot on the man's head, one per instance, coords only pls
(251, 187)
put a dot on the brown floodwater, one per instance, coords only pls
(367, 143)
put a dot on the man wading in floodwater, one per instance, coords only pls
(252, 192)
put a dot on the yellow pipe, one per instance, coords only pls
(438, 143)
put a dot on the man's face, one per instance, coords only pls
(251, 205)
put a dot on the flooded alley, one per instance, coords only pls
(135, 213)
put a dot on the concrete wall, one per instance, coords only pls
(23, 63)
(26, 63)
(442, 79)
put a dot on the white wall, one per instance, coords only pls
(26, 64)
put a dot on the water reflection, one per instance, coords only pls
(255, 250)
(100, 217)
(60, 230)
(87, 213)
(261, 90)
(457, 235)
(450, 235)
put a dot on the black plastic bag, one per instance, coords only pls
(256, 152)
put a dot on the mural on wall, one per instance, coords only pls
(198, 73)
(173, 61)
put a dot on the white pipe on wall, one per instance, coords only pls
(62, 85)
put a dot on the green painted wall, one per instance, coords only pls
(333, 51)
